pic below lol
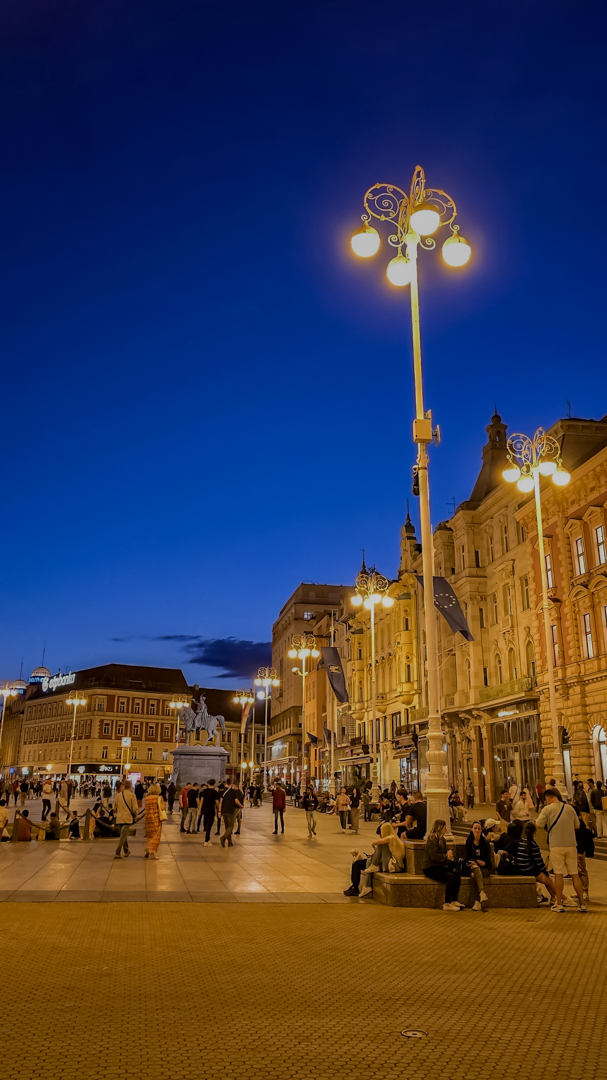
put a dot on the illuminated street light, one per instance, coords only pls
(528, 460)
(74, 699)
(266, 677)
(413, 218)
(302, 646)
(244, 698)
(371, 590)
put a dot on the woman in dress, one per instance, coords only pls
(154, 803)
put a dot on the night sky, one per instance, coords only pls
(205, 398)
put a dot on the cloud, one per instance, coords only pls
(239, 659)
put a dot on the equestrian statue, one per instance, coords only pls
(200, 719)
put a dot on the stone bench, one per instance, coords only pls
(418, 891)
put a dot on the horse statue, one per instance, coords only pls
(200, 719)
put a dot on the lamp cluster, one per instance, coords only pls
(243, 697)
(302, 646)
(531, 458)
(75, 700)
(179, 703)
(371, 590)
(266, 677)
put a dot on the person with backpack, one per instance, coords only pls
(561, 823)
(585, 850)
(126, 816)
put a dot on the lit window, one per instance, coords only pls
(100, 706)
(555, 645)
(600, 543)
(308, 616)
(104, 750)
(150, 753)
(588, 636)
(579, 551)
(548, 561)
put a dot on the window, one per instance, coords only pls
(118, 753)
(463, 556)
(477, 558)
(165, 755)
(360, 692)
(122, 705)
(151, 731)
(481, 618)
(228, 736)
(555, 645)
(498, 666)
(588, 636)
(120, 729)
(152, 708)
(360, 653)
(100, 706)
(106, 729)
(491, 554)
(258, 737)
(137, 707)
(525, 600)
(104, 753)
(505, 542)
(468, 675)
(135, 729)
(407, 623)
(600, 545)
(308, 616)
(494, 606)
(408, 673)
(485, 676)
(166, 731)
(133, 753)
(579, 554)
(522, 535)
(530, 657)
(150, 753)
(548, 561)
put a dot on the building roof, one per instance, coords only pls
(494, 460)
(128, 677)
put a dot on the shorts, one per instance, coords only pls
(563, 860)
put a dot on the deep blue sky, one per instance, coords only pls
(205, 399)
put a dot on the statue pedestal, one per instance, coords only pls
(198, 764)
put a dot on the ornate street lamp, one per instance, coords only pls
(302, 646)
(74, 699)
(529, 459)
(266, 677)
(415, 217)
(371, 590)
(244, 698)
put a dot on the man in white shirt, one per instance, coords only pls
(560, 821)
(126, 811)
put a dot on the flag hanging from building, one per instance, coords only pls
(447, 603)
(312, 738)
(245, 717)
(327, 734)
(331, 661)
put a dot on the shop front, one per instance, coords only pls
(517, 754)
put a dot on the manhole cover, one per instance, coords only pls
(414, 1033)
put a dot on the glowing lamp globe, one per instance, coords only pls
(303, 653)
(399, 271)
(547, 468)
(315, 652)
(425, 219)
(275, 682)
(356, 601)
(561, 477)
(511, 473)
(260, 695)
(456, 251)
(257, 682)
(293, 653)
(387, 601)
(525, 483)
(368, 603)
(365, 242)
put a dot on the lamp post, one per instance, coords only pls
(6, 691)
(529, 459)
(416, 217)
(302, 646)
(266, 677)
(371, 590)
(179, 703)
(75, 700)
(244, 698)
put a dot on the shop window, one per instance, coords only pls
(550, 579)
(579, 554)
(588, 636)
(104, 753)
(600, 545)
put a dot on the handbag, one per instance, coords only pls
(162, 814)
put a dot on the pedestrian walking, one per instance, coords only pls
(155, 814)
(310, 805)
(439, 865)
(107, 794)
(561, 822)
(598, 799)
(139, 793)
(366, 805)
(342, 807)
(355, 801)
(183, 805)
(279, 805)
(208, 801)
(125, 816)
(23, 789)
(192, 810)
(171, 793)
(47, 792)
(585, 850)
(469, 794)
(231, 803)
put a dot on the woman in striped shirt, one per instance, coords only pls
(530, 862)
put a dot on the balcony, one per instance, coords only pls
(419, 714)
(507, 689)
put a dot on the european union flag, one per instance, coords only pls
(447, 603)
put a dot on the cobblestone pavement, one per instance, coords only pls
(178, 991)
(260, 868)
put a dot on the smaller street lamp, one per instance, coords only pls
(528, 460)
(74, 699)
(244, 698)
(266, 677)
(302, 646)
(179, 703)
(371, 590)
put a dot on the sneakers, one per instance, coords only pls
(483, 897)
(117, 856)
(558, 908)
(223, 841)
(569, 901)
(451, 907)
(583, 909)
(543, 900)
(126, 853)
(351, 891)
(366, 891)
(207, 843)
(477, 906)
(457, 904)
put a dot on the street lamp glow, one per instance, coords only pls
(547, 468)
(368, 603)
(293, 654)
(387, 601)
(399, 271)
(356, 600)
(561, 477)
(526, 483)
(511, 473)
(425, 219)
(260, 694)
(303, 653)
(315, 653)
(456, 250)
(365, 242)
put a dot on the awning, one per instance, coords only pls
(405, 752)
(360, 759)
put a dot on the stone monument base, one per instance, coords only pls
(198, 764)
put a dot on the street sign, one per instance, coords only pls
(126, 740)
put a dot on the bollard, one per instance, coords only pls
(86, 834)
